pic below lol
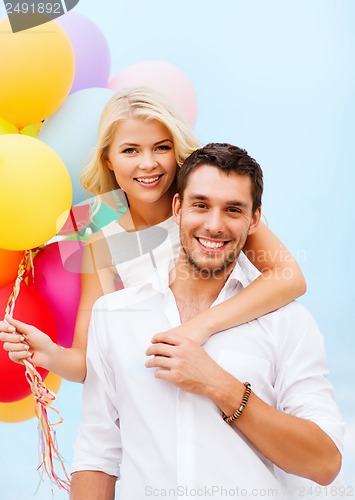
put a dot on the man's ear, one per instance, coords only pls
(254, 221)
(176, 208)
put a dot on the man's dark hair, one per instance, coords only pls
(227, 158)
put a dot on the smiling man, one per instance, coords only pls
(249, 414)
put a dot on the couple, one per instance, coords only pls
(251, 413)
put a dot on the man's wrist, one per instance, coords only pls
(226, 392)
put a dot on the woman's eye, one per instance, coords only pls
(163, 147)
(129, 151)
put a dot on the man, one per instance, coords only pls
(242, 415)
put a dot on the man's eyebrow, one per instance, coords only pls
(195, 196)
(202, 197)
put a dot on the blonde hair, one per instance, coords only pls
(141, 103)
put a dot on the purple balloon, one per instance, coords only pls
(92, 53)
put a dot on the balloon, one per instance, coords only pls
(91, 50)
(58, 286)
(35, 192)
(22, 410)
(9, 263)
(166, 78)
(31, 130)
(7, 127)
(72, 132)
(37, 71)
(31, 308)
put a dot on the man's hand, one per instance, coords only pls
(184, 363)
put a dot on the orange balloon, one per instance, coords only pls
(22, 410)
(9, 262)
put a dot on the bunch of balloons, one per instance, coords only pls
(55, 82)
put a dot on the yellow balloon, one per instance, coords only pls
(7, 127)
(22, 410)
(35, 192)
(31, 130)
(37, 71)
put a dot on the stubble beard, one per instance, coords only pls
(208, 270)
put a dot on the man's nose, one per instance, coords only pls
(214, 221)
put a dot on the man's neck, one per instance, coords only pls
(193, 291)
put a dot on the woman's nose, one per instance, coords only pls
(148, 161)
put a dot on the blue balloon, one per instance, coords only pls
(72, 132)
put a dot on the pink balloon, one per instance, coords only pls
(91, 50)
(59, 287)
(166, 78)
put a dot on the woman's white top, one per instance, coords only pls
(138, 254)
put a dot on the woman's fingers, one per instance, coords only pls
(17, 357)
(10, 347)
(12, 338)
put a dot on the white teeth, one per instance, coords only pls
(147, 180)
(211, 244)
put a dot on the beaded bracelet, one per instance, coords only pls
(243, 404)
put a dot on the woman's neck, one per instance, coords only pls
(148, 215)
(141, 214)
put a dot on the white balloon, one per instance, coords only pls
(72, 131)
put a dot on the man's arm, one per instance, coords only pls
(98, 448)
(92, 485)
(296, 445)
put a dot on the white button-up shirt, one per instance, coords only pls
(172, 443)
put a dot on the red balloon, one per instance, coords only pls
(31, 308)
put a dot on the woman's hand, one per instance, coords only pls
(192, 330)
(23, 341)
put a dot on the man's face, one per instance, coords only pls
(215, 218)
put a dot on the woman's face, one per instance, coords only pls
(142, 157)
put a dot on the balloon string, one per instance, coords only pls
(44, 397)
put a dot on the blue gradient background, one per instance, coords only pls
(276, 78)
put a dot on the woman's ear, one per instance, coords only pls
(176, 208)
(254, 221)
(108, 163)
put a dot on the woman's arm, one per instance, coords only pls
(280, 282)
(97, 278)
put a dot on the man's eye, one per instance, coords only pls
(200, 205)
(234, 210)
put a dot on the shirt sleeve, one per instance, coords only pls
(98, 444)
(301, 385)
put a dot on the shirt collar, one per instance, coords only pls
(244, 273)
